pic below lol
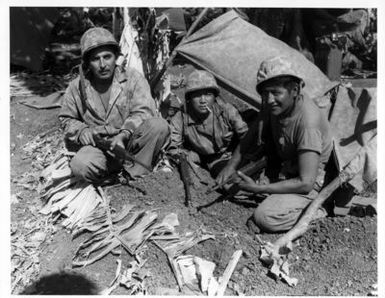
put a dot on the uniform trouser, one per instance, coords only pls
(92, 164)
(280, 212)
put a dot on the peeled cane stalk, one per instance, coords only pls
(228, 272)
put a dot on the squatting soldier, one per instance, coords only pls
(109, 101)
(208, 128)
(300, 136)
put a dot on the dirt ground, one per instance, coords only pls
(337, 256)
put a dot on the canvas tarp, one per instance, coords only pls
(232, 49)
(353, 120)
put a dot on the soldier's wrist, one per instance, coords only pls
(126, 134)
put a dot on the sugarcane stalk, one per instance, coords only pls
(302, 225)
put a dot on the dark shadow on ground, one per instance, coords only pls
(41, 83)
(61, 284)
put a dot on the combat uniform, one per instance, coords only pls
(306, 129)
(130, 108)
(210, 140)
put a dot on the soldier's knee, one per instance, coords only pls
(83, 165)
(80, 168)
(158, 126)
(265, 220)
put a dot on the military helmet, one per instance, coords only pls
(275, 67)
(199, 80)
(94, 38)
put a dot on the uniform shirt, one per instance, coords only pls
(306, 129)
(207, 138)
(129, 105)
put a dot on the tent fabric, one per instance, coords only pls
(232, 49)
(30, 29)
(353, 120)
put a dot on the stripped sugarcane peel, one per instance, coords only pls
(85, 208)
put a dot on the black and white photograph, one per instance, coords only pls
(183, 150)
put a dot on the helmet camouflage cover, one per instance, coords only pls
(199, 80)
(94, 38)
(275, 67)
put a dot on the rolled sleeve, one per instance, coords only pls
(310, 139)
(240, 127)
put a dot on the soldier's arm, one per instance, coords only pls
(238, 125)
(141, 105)
(70, 117)
(176, 124)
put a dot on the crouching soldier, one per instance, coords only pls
(299, 135)
(107, 101)
(208, 128)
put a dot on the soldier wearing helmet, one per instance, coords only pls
(298, 140)
(108, 101)
(207, 128)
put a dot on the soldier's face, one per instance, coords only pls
(279, 99)
(202, 100)
(102, 63)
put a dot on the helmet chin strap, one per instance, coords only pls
(261, 123)
(300, 88)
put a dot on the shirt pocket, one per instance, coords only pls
(121, 109)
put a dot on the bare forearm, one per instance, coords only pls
(235, 158)
(303, 184)
(294, 185)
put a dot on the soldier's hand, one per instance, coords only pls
(247, 183)
(86, 137)
(225, 174)
(119, 140)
